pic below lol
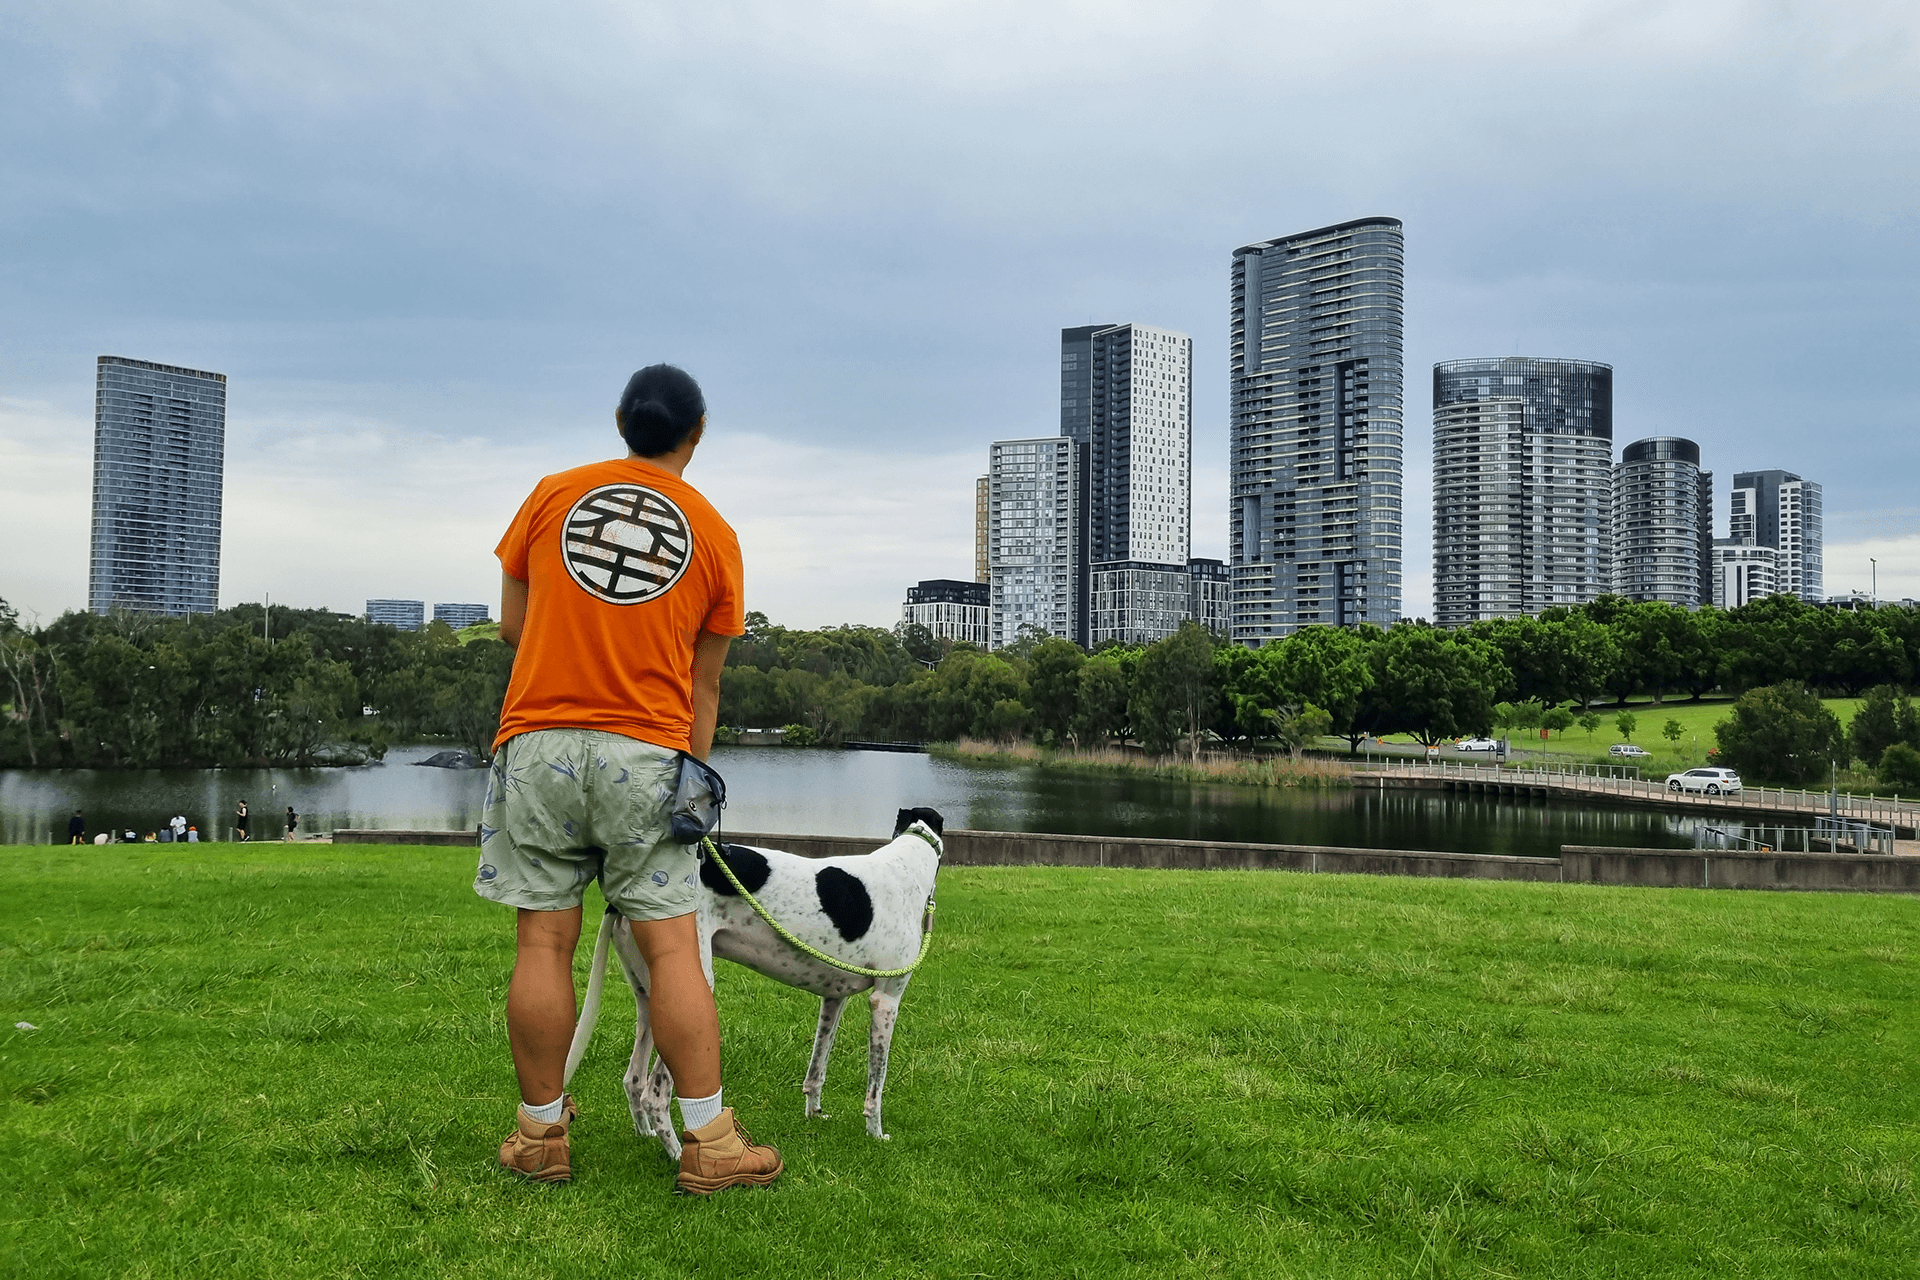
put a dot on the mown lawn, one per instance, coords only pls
(290, 1062)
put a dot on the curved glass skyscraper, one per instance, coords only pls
(1522, 486)
(1663, 522)
(1316, 429)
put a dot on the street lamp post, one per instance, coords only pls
(1876, 580)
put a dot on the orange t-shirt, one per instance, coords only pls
(624, 564)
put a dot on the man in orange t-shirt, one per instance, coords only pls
(620, 592)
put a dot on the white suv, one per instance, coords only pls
(1715, 782)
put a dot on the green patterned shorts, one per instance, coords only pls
(567, 806)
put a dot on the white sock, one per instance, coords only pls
(548, 1114)
(698, 1113)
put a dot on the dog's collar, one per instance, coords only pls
(919, 829)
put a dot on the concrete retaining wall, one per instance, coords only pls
(1726, 869)
(343, 835)
(1023, 849)
(1577, 864)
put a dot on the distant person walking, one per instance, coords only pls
(77, 828)
(240, 821)
(620, 592)
(293, 823)
(179, 825)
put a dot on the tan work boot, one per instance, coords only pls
(540, 1152)
(721, 1154)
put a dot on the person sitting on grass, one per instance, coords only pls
(620, 593)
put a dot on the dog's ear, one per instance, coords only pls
(907, 817)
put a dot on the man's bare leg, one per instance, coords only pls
(686, 1025)
(540, 1002)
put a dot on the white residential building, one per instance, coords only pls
(1781, 510)
(1035, 554)
(951, 610)
(1743, 572)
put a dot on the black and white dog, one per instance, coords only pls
(870, 910)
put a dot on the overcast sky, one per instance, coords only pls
(428, 243)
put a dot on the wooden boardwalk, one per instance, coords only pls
(1759, 806)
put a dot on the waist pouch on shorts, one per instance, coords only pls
(697, 797)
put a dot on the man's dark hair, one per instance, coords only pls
(659, 409)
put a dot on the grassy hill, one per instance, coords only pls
(290, 1061)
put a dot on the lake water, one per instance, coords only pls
(854, 793)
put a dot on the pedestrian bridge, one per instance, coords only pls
(1622, 785)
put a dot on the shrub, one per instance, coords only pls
(1884, 718)
(1783, 733)
(797, 735)
(1900, 765)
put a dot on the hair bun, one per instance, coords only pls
(660, 408)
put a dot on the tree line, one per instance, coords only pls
(238, 687)
(856, 682)
(311, 686)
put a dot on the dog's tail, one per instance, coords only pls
(590, 1007)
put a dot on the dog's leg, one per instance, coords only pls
(886, 1009)
(830, 1009)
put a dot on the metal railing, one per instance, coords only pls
(1625, 780)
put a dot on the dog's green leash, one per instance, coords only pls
(926, 935)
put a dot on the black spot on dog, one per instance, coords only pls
(908, 817)
(845, 900)
(750, 866)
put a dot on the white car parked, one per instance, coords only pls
(1715, 782)
(1476, 744)
(1627, 751)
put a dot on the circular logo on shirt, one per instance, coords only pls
(625, 544)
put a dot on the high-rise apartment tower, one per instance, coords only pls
(1316, 382)
(1778, 509)
(1663, 523)
(159, 453)
(1036, 494)
(1522, 486)
(1126, 393)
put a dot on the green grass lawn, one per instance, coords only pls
(291, 1062)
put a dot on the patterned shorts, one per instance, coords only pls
(566, 806)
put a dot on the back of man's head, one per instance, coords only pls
(660, 408)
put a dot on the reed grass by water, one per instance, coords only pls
(1307, 772)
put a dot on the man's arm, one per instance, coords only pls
(709, 657)
(513, 609)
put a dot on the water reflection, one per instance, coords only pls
(848, 793)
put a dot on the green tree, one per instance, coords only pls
(1885, 717)
(1783, 733)
(1173, 694)
(1557, 720)
(1102, 707)
(1900, 766)
(1433, 683)
(1053, 683)
(1671, 731)
(1626, 722)
(1329, 667)
(1300, 727)
(1590, 721)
